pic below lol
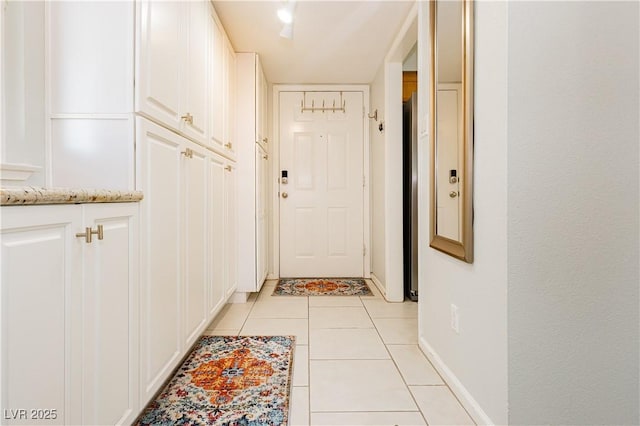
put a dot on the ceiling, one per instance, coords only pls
(333, 41)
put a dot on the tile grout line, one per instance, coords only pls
(386, 348)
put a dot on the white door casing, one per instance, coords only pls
(322, 216)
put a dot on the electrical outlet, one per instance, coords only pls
(455, 319)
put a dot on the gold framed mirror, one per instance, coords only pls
(451, 127)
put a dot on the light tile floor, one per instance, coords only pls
(356, 362)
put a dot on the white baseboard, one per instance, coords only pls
(464, 396)
(378, 284)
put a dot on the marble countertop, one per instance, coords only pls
(19, 196)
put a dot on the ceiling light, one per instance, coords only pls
(285, 15)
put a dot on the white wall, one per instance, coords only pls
(377, 172)
(573, 212)
(23, 97)
(386, 164)
(549, 313)
(394, 269)
(474, 362)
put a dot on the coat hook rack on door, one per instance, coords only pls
(313, 108)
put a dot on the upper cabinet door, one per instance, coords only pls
(259, 101)
(217, 74)
(261, 106)
(195, 79)
(160, 61)
(229, 98)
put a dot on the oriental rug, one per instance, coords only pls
(321, 287)
(228, 380)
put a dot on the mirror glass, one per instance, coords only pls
(451, 127)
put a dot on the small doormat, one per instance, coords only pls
(321, 287)
(228, 380)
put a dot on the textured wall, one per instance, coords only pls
(477, 356)
(376, 177)
(573, 212)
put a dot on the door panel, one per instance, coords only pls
(231, 230)
(40, 310)
(160, 290)
(321, 219)
(337, 162)
(162, 56)
(195, 255)
(449, 131)
(110, 355)
(196, 77)
(337, 218)
(216, 73)
(261, 215)
(216, 234)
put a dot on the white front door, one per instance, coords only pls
(321, 205)
(449, 151)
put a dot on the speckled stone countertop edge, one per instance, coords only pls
(31, 195)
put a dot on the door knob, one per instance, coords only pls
(453, 194)
(285, 195)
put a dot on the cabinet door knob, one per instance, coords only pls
(227, 168)
(188, 153)
(86, 235)
(88, 232)
(265, 140)
(99, 232)
(453, 194)
(228, 145)
(265, 157)
(188, 118)
(285, 195)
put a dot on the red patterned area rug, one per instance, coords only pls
(321, 287)
(228, 380)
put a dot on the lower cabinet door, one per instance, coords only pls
(110, 315)
(231, 230)
(216, 288)
(195, 245)
(40, 381)
(159, 169)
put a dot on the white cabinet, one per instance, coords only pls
(187, 246)
(253, 174)
(262, 176)
(216, 98)
(217, 199)
(89, 78)
(70, 316)
(231, 230)
(171, 75)
(195, 242)
(251, 100)
(159, 177)
(262, 105)
(230, 99)
(110, 315)
(41, 277)
(223, 74)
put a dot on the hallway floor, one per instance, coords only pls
(357, 360)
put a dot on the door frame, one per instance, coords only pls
(275, 164)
